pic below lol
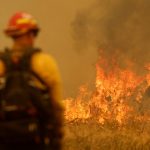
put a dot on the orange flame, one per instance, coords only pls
(112, 99)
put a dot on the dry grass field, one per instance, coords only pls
(92, 136)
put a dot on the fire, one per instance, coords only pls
(77, 109)
(113, 100)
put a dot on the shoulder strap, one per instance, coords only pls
(26, 62)
(26, 57)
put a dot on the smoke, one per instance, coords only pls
(120, 28)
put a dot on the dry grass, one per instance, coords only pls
(92, 136)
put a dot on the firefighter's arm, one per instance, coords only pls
(46, 68)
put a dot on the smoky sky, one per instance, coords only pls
(121, 28)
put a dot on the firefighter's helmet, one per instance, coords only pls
(21, 23)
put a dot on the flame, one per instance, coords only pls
(112, 99)
(76, 109)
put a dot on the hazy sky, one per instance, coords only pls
(55, 18)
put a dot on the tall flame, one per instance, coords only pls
(113, 100)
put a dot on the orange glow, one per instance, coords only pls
(112, 99)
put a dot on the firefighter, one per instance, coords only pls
(23, 29)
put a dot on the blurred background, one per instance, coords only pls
(56, 19)
(77, 32)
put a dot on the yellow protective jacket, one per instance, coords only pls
(46, 68)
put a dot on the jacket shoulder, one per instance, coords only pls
(45, 66)
(41, 58)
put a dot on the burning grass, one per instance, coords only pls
(115, 116)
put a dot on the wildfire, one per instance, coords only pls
(116, 97)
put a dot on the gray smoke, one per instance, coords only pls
(120, 27)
